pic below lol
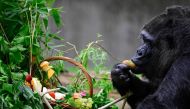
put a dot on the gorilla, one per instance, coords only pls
(164, 59)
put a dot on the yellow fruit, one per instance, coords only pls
(76, 95)
(44, 64)
(46, 68)
(27, 84)
(50, 73)
(129, 63)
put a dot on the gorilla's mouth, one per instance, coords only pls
(130, 64)
(133, 66)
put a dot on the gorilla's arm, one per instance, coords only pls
(173, 92)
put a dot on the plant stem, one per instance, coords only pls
(113, 102)
(4, 32)
(33, 27)
(46, 102)
(74, 48)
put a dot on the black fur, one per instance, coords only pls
(168, 69)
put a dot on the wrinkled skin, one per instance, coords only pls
(164, 59)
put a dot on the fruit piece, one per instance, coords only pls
(52, 94)
(59, 96)
(83, 93)
(76, 95)
(44, 65)
(36, 85)
(129, 63)
(46, 68)
(47, 95)
(28, 84)
(28, 78)
(50, 73)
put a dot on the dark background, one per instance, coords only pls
(119, 21)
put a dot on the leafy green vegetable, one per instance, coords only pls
(24, 35)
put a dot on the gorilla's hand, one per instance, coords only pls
(121, 78)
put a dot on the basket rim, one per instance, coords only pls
(79, 65)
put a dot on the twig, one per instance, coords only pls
(106, 51)
(4, 32)
(113, 102)
(66, 51)
(58, 80)
(44, 98)
(99, 78)
(124, 102)
(46, 102)
(73, 47)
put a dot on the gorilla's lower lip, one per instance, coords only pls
(136, 62)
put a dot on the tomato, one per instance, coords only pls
(52, 94)
(28, 78)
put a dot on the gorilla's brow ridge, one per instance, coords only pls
(145, 35)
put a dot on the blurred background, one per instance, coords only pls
(118, 21)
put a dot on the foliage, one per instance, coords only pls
(24, 37)
(24, 34)
(95, 55)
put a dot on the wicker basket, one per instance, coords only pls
(79, 65)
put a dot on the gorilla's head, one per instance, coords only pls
(165, 38)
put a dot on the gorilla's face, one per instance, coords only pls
(165, 38)
(158, 50)
(144, 52)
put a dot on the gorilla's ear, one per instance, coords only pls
(175, 11)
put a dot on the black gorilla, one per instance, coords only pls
(164, 59)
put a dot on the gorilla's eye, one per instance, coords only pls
(146, 40)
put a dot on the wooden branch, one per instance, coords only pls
(113, 102)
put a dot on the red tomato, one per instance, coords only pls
(52, 94)
(28, 78)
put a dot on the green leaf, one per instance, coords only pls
(17, 76)
(44, 12)
(27, 92)
(2, 68)
(8, 87)
(36, 49)
(17, 48)
(63, 89)
(38, 1)
(55, 36)
(4, 45)
(27, 107)
(24, 40)
(45, 21)
(50, 2)
(16, 57)
(24, 31)
(56, 16)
